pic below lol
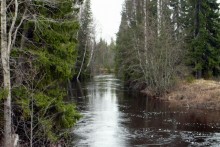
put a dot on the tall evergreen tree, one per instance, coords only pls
(203, 39)
(125, 44)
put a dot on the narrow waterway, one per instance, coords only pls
(112, 117)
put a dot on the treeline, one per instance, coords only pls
(104, 57)
(43, 48)
(160, 41)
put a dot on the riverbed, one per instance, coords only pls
(116, 117)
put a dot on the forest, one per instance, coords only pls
(166, 40)
(48, 45)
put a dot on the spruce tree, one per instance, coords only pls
(203, 37)
(48, 57)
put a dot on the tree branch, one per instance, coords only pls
(12, 27)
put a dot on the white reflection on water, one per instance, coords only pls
(101, 128)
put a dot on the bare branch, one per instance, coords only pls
(19, 25)
(12, 27)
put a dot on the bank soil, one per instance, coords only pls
(202, 94)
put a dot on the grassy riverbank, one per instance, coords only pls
(202, 94)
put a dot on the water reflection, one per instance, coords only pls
(100, 125)
(116, 118)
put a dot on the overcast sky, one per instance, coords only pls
(107, 17)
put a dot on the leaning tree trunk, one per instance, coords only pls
(6, 77)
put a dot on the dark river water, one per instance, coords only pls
(113, 117)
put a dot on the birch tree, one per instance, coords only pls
(85, 44)
(6, 45)
(149, 54)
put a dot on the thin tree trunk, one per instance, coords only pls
(32, 119)
(145, 30)
(197, 29)
(92, 53)
(70, 89)
(159, 16)
(145, 25)
(6, 77)
(80, 70)
(176, 15)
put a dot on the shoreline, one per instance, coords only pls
(199, 94)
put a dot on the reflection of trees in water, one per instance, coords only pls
(153, 121)
(77, 90)
(198, 121)
(147, 112)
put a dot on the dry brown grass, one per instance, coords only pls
(204, 94)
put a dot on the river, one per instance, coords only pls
(114, 117)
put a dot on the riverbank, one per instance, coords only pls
(200, 94)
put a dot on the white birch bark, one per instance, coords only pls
(6, 76)
(92, 53)
(80, 70)
(6, 46)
